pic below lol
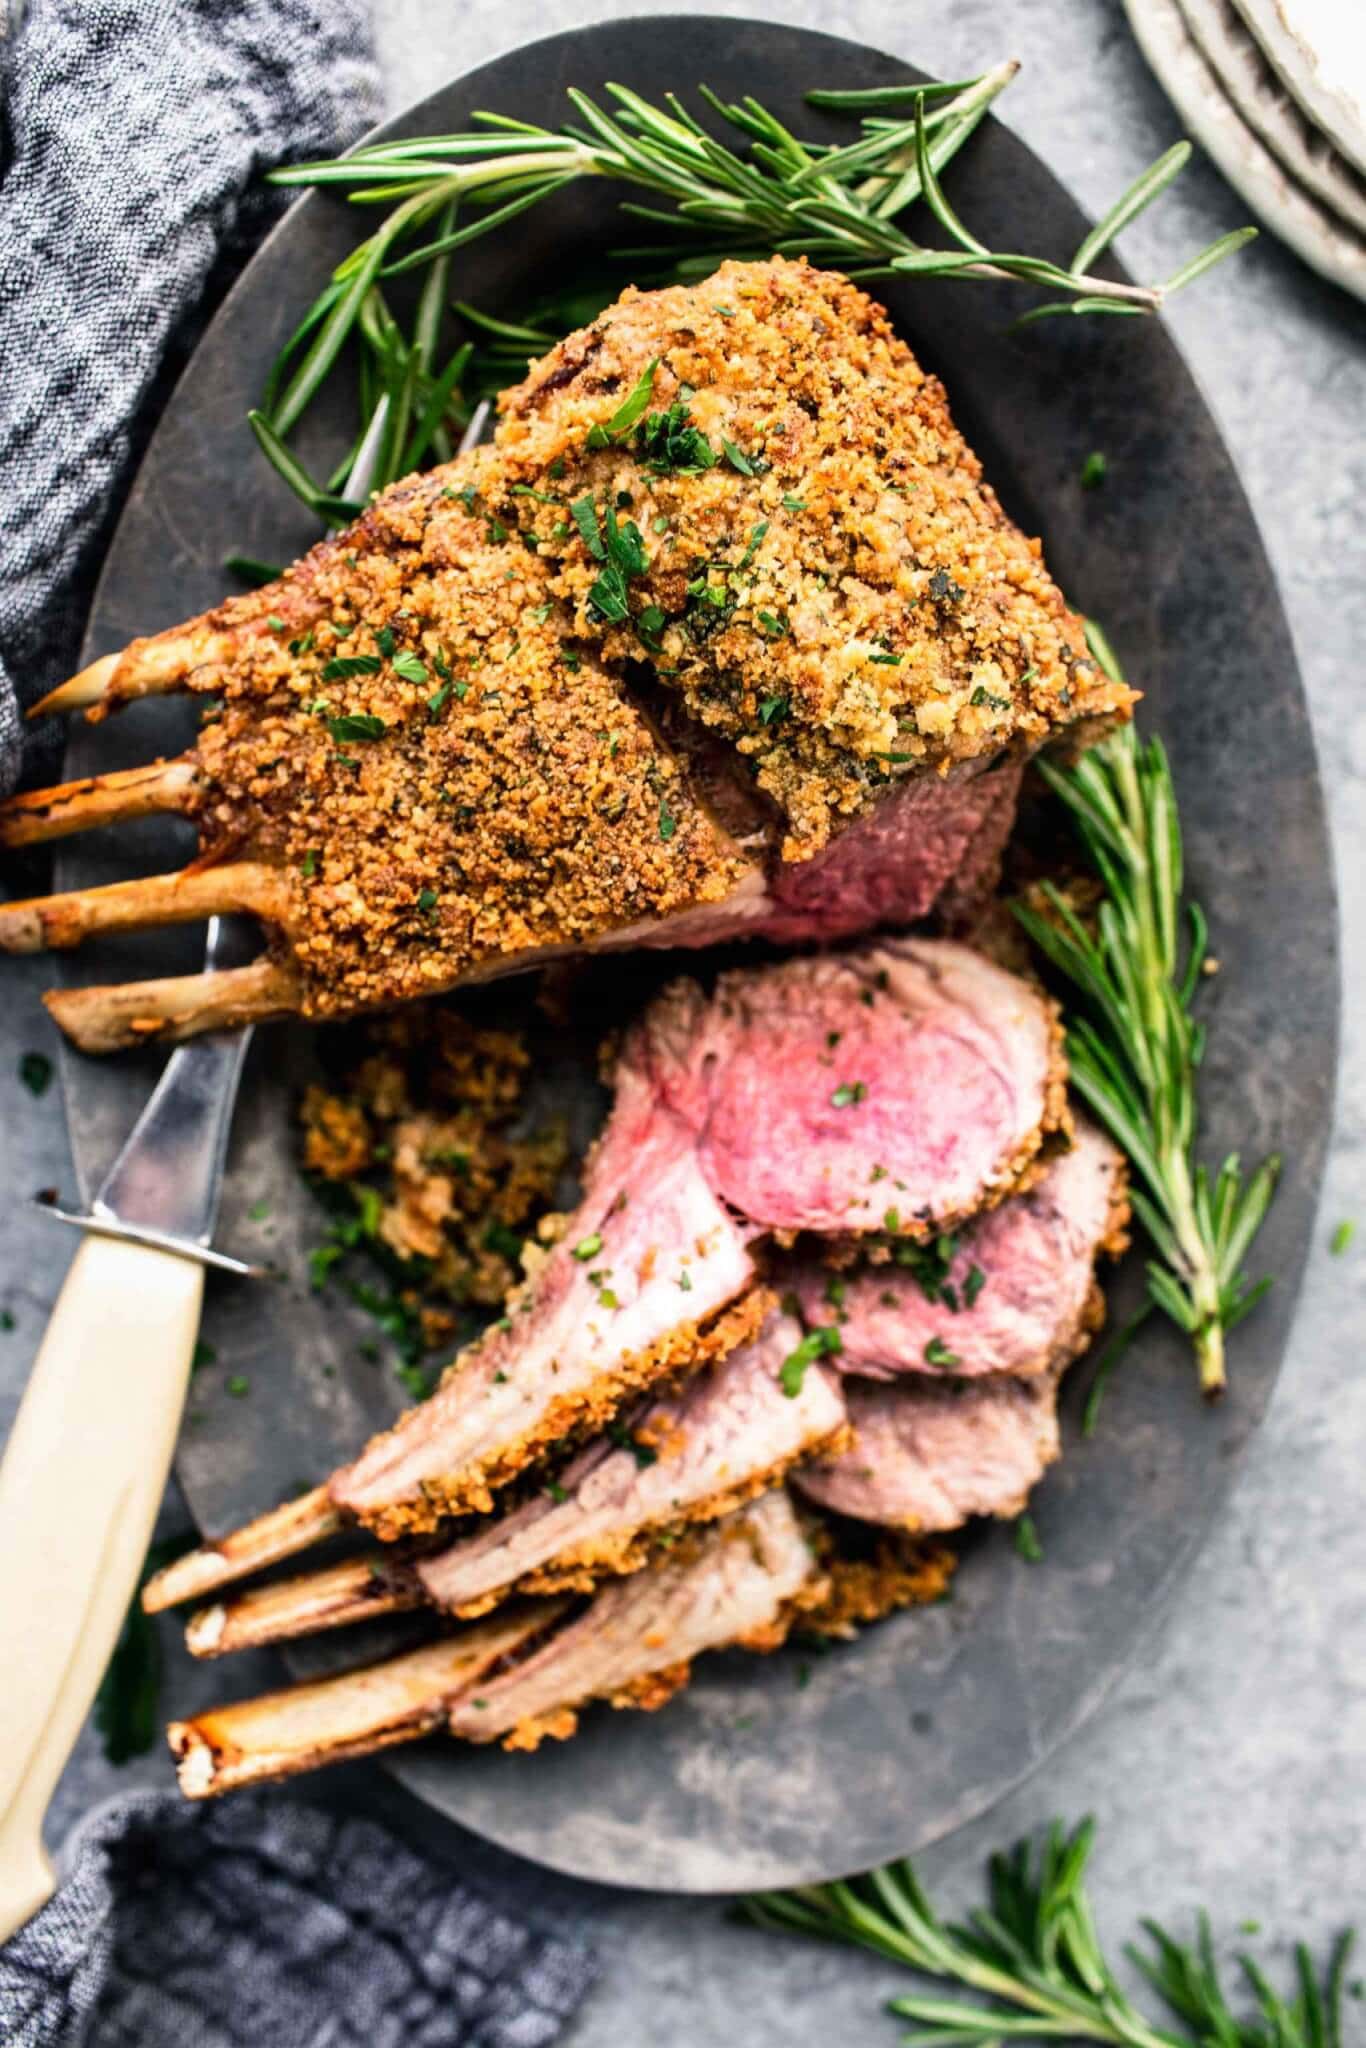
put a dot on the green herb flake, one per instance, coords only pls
(669, 442)
(791, 504)
(411, 669)
(772, 709)
(755, 539)
(439, 699)
(6, 1319)
(668, 823)
(1027, 1540)
(239, 1385)
(275, 622)
(427, 900)
(1341, 1239)
(819, 1343)
(35, 1071)
(1093, 471)
(259, 1211)
(308, 866)
(628, 412)
(737, 457)
(944, 590)
(554, 1491)
(973, 1284)
(588, 1247)
(938, 1353)
(773, 628)
(357, 725)
(584, 513)
(848, 1093)
(343, 665)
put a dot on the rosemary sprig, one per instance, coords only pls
(840, 205)
(1134, 1045)
(1033, 1953)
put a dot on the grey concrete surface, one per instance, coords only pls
(1230, 1768)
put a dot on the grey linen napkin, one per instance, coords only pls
(133, 136)
(261, 1924)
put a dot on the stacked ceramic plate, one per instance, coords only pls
(1276, 92)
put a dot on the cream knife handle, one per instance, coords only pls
(82, 1478)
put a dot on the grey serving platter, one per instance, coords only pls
(765, 1773)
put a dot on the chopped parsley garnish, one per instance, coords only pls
(937, 1352)
(584, 513)
(848, 1093)
(1093, 471)
(771, 709)
(501, 1238)
(1027, 1540)
(608, 596)
(772, 628)
(685, 1282)
(651, 624)
(439, 699)
(384, 640)
(737, 458)
(239, 1385)
(628, 412)
(554, 1491)
(1342, 1238)
(357, 725)
(886, 660)
(668, 441)
(541, 497)
(275, 622)
(427, 900)
(410, 668)
(973, 1284)
(815, 1344)
(755, 538)
(35, 1071)
(588, 1247)
(791, 504)
(668, 823)
(343, 665)
(542, 612)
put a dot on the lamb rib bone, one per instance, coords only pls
(737, 1582)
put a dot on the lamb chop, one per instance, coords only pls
(1015, 1294)
(928, 1455)
(727, 607)
(894, 1089)
(739, 1581)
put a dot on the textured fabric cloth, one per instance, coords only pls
(133, 138)
(268, 1924)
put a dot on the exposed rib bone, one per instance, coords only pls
(145, 668)
(353, 1714)
(270, 1538)
(39, 922)
(97, 800)
(336, 1597)
(137, 1012)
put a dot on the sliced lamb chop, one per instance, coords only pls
(729, 1434)
(1015, 1292)
(896, 1087)
(331, 1719)
(893, 1088)
(927, 1456)
(432, 762)
(738, 1582)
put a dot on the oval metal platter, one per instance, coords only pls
(762, 1773)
